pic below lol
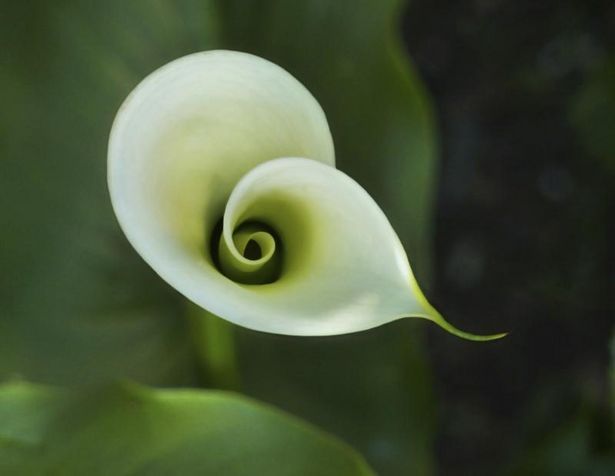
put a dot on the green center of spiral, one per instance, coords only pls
(254, 257)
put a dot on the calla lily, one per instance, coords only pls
(222, 174)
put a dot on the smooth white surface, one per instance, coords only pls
(200, 135)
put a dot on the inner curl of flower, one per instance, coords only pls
(254, 257)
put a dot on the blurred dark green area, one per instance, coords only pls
(499, 182)
(524, 94)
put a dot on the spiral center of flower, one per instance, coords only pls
(252, 250)
(252, 256)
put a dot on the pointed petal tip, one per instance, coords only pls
(431, 314)
(439, 320)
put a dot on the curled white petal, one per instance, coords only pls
(344, 268)
(221, 173)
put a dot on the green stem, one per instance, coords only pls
(214, 339)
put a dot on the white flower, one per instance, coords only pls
(222, 175)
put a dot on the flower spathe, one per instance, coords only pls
(222, 174)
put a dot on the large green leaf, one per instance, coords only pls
(128, 429)
(373, 388)
(78, 305)
(25, 413)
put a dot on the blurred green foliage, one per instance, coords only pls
(80, 307)
(593, 113)
(581, 445)
(128, 429)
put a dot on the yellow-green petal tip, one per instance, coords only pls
(430, 313)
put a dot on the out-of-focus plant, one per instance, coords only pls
(129, 429)
(593, 114)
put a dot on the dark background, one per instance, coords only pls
(524, 230)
